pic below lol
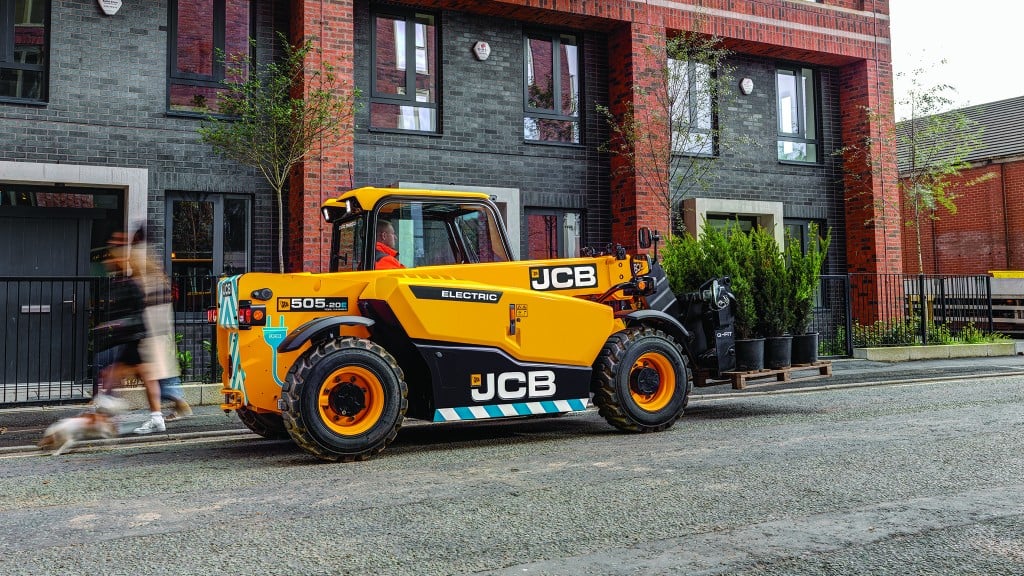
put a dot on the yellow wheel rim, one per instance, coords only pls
(351, 400)
(666, 389)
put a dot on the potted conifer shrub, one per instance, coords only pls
(771, 298)
(737, 252)
(804, 270)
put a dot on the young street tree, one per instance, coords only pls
(933, 147)
(271, 116)
(669, 143)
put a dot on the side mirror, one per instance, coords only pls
(643, 237)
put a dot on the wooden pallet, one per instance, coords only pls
(740, 379)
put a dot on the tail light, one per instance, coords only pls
(250, 315)
(211, 315)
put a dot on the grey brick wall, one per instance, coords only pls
(481, 140)
(107, 107)
(749, 167)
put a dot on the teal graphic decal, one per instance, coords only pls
(273, 336)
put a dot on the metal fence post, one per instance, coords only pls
(849, 316)
(988, 298)
(924, 308)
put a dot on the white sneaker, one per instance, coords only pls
(154, 424)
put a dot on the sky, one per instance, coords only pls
(980, 41)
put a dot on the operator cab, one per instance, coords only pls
(430, 228)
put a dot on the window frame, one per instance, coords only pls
(555, 37)
(216, 78)
(7, 44)
(802, 135)
(218, 200)
(409, 98)
(694, 109)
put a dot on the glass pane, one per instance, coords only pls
(236, 235)
(192, 234)
(195, 37)
(191, 253)
(572, 229)
(426, 81)
(702, 109)
(29, 12)
(808, 92)
(480, 233)
(236, 33)
(191, 98)
(540, 89)
(569, 76)
(403, 117)
(26, 84)
(549, 130)
(437, 248)
(542, 236)
(789, 117)
(390, 56)
(793, 151)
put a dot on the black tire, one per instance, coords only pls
(344, 400)
(641, 380)
(270, 426)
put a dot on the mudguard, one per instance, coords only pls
(313, 328)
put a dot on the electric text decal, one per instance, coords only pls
(456, 294)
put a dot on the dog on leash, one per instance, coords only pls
(62, 434)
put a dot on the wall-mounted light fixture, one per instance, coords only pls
(482, 50)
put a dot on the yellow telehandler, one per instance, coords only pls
(424, 314)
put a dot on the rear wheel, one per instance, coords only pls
(344, 399)
(641, 380)
(268, 425)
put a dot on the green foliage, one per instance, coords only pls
(804, 273)
(184, 357)
(834, 346)
(689, 262)
(907, 332)
(771, 293)
(276, 114)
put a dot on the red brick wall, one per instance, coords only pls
(327, 172)
(986, 233)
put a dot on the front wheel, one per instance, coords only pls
(641, 380)
(344, 399)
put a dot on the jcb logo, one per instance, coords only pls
(563, 277)
(513, 385)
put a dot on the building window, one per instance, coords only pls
(204, 34)
(207, 235)
(691, 112)
(798, 127)
(404, 97)
(552, 234)
(551, 104)
(24, 27)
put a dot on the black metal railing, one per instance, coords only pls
(910, 309)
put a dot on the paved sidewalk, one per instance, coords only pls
(22, 427)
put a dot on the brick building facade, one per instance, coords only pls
(105, 121)
(987, 231)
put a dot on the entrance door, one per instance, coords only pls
(43, 312)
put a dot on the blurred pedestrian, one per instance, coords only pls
(162, 375)
(117, 339)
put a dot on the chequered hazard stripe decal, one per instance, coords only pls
(505, 410)
(237, 374)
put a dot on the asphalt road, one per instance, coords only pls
(906, 479)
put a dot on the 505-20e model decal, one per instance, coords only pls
(563, 277)
(308, 304)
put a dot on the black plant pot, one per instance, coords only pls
(805, 348)
(749, 355)
(778, 351)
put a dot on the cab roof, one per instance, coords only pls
(368, 196)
